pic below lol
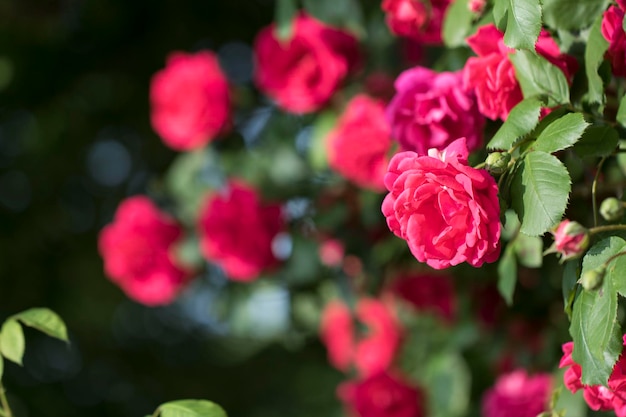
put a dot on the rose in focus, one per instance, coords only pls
(137, 251)
(236, 231)
(447, 211)
(303, 73)
(359, 143)
(431, 110)
(190, 100)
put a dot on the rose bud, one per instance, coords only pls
(611, 209)
(591, 280)
(571, 240)
(497, 162)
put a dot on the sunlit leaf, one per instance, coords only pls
(568, 14)
(457, 23)
(522, 119)
(523, 24)
(12, 343)
(44, 320)
(191, 408)
(561, 134)
(540, 78)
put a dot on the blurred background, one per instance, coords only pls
(75, 139)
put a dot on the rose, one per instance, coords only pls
(190, 100)
(517, 394)
(382, 395)
(420, 20)
(430, 110)
(613, 32)
(447, 212)
(491, 74)
(571, 240)
(236, 231)
(303, 73)
(370, 353)
(598, 397)
(427, 292)
(137, 252)
(358, 145)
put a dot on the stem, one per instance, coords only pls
(156, 412)
(617, 255)
(4, 402)
(481, 165)
(593, 192)
(607, 228)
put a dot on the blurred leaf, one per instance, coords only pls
(191, 408)
(457, 23)
(1, 364)
(529, 250)
(499, 13)
(538, 78)
(594, 56)
(561, 134)
(317, 151)
(540, 191)
(594, 327)
(507, 274)
(573, 403)
(621, 111)
(342, 13)
(522, 119)
(523, 24)
(571, 272)
(448, 379)
(12, 343)
(284, 14)
(44, 320)
(615, 272)
(597, 141)
(568, 14)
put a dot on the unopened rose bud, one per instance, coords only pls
(591, 280)
(611, 209)
(571, 240)
(497, 162)
(477, 6)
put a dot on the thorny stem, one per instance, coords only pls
(6, 410)
(593, 192)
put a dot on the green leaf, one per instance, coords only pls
(523, 24)
(540, 191)
(191, 408)
(342, 13)
(1, 366)
(568, 14)
(44, 320)
(594, 328)
(500, 9)
(284, 14)
(522, 119)
(594, 56)
(538, 77)
(507, 274)
(12, 343)
(457, 23)
(323, 124)
(529, 250)
(571, 272)
(597, 141)
(561, 134)
(448, 379)
(616, 271)
(621, 111)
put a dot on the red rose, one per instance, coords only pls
(420, 20)
(359, 143)
(370, 353)
(613, 32)
(190, 100)
(447, 211)
(491, 74)
(136, 248)
(237, 230)
(302, 74)
(382, 395)
(517, 394)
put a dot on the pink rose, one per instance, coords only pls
(190, 100)
(302, 74)
(447, 211)
(571, 240)
(431, 110)
(137, 252)
(598, 397)
(491, 74)
(477, 6)
(420, 20)
(517, 394)
(331, 252)
(613, 32)
(427, 292)
(382, 395)
(371, 352)
(236, 231)
(358, 145)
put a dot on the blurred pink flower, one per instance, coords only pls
(518, 394)
(420, 20)
(613, 32)
(190, 100)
